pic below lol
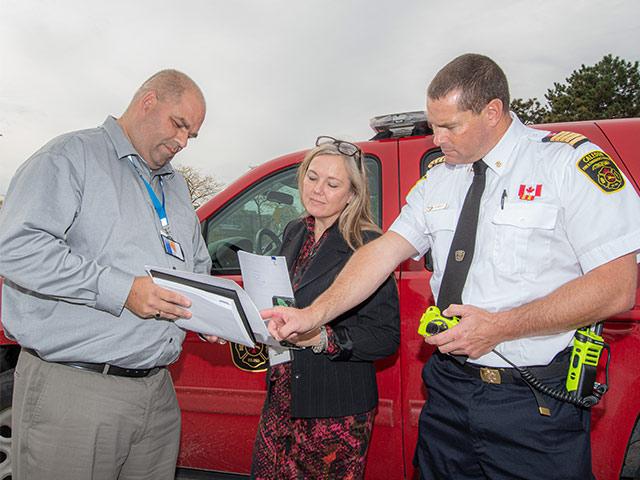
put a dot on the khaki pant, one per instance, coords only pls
(72, 424)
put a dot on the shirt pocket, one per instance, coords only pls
(522, 237)
(441, 226)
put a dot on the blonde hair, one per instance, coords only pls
(356, 216)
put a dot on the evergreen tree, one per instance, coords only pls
(608, 89)
(529, 111)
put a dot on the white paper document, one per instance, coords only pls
(219, 306)
(265, 277)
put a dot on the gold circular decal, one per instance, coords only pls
(249, 359)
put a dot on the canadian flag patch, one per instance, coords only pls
(529, 192)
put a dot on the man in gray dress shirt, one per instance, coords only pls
(82, 218)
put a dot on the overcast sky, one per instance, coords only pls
(276, 74)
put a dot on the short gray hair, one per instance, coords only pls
(169, 84)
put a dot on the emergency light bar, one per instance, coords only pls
(400, 125)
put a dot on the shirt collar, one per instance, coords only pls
(309, 223)
(500, 155)
(124, 148)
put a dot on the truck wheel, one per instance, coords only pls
(6, 393)
(631, 465)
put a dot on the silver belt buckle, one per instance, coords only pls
(490, 375)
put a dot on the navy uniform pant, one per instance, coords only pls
(474, 430)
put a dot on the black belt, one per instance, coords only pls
(496, 376)
(104, 368)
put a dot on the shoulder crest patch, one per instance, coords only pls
(573, 139)
(435, 161)
(602, 171)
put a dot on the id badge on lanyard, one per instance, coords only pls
(171, 247)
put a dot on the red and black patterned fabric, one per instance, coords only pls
(296, 448)
(290, 448)
(307, 251)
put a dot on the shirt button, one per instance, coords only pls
(297, 376)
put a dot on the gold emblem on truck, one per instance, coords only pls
(249, 359)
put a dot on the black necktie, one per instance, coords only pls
(464, 241)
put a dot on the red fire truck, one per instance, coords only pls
(221, 388)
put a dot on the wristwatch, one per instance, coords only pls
(321, 347)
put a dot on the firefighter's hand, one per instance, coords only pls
(476, 334)
(310, 339)
(148, 300)
(286, 323)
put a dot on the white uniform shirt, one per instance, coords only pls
(543, 222)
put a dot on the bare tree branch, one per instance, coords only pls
(201, 187)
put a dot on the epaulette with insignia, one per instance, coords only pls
(573, 139)
(435, 161)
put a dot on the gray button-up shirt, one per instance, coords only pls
(76, 228)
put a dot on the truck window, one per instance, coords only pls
(372, 164)
(255, 220)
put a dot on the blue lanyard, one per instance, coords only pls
(159, 207)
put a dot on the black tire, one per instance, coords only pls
(6, 395)
(631, 466)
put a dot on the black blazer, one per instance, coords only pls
(322, 386)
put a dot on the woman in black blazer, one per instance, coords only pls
(319, 411)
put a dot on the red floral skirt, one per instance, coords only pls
(289, 448)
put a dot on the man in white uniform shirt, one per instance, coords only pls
(555, 249)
